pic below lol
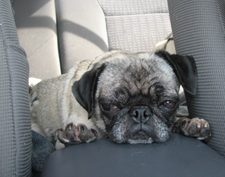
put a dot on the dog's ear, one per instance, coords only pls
(185, 69)
(84, 89)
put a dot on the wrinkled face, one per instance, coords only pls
(137, 96)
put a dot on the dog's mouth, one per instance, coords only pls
(140, 137)
(137, 135)
(125, 130)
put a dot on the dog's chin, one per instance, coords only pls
(139, 137)
(125, 130)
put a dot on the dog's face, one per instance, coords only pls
(133, 97)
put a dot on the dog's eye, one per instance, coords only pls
(108, 107)
(169, 104)
(105, 106)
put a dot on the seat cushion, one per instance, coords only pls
(15, 147)
(198, 29)
(179, 156)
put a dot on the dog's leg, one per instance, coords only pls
(195, 127)
(76, 134)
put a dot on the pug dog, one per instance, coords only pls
(126, 97)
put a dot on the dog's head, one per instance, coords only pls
(134, 97)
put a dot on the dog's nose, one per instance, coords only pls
(140, 114)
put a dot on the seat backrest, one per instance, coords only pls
(198, 29)
(92, 27)
(85, 29)
(15, 131)
(37, 31)
(134, 25)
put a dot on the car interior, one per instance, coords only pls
(45, 38)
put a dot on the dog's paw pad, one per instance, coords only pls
(198, 128)
(76, 134)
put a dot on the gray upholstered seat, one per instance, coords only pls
(76, 30)
(15, 147)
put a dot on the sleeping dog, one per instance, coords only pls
(127, 97)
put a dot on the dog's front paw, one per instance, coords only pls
(195, 127)
(76, 134)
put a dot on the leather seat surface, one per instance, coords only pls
(179, 156)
